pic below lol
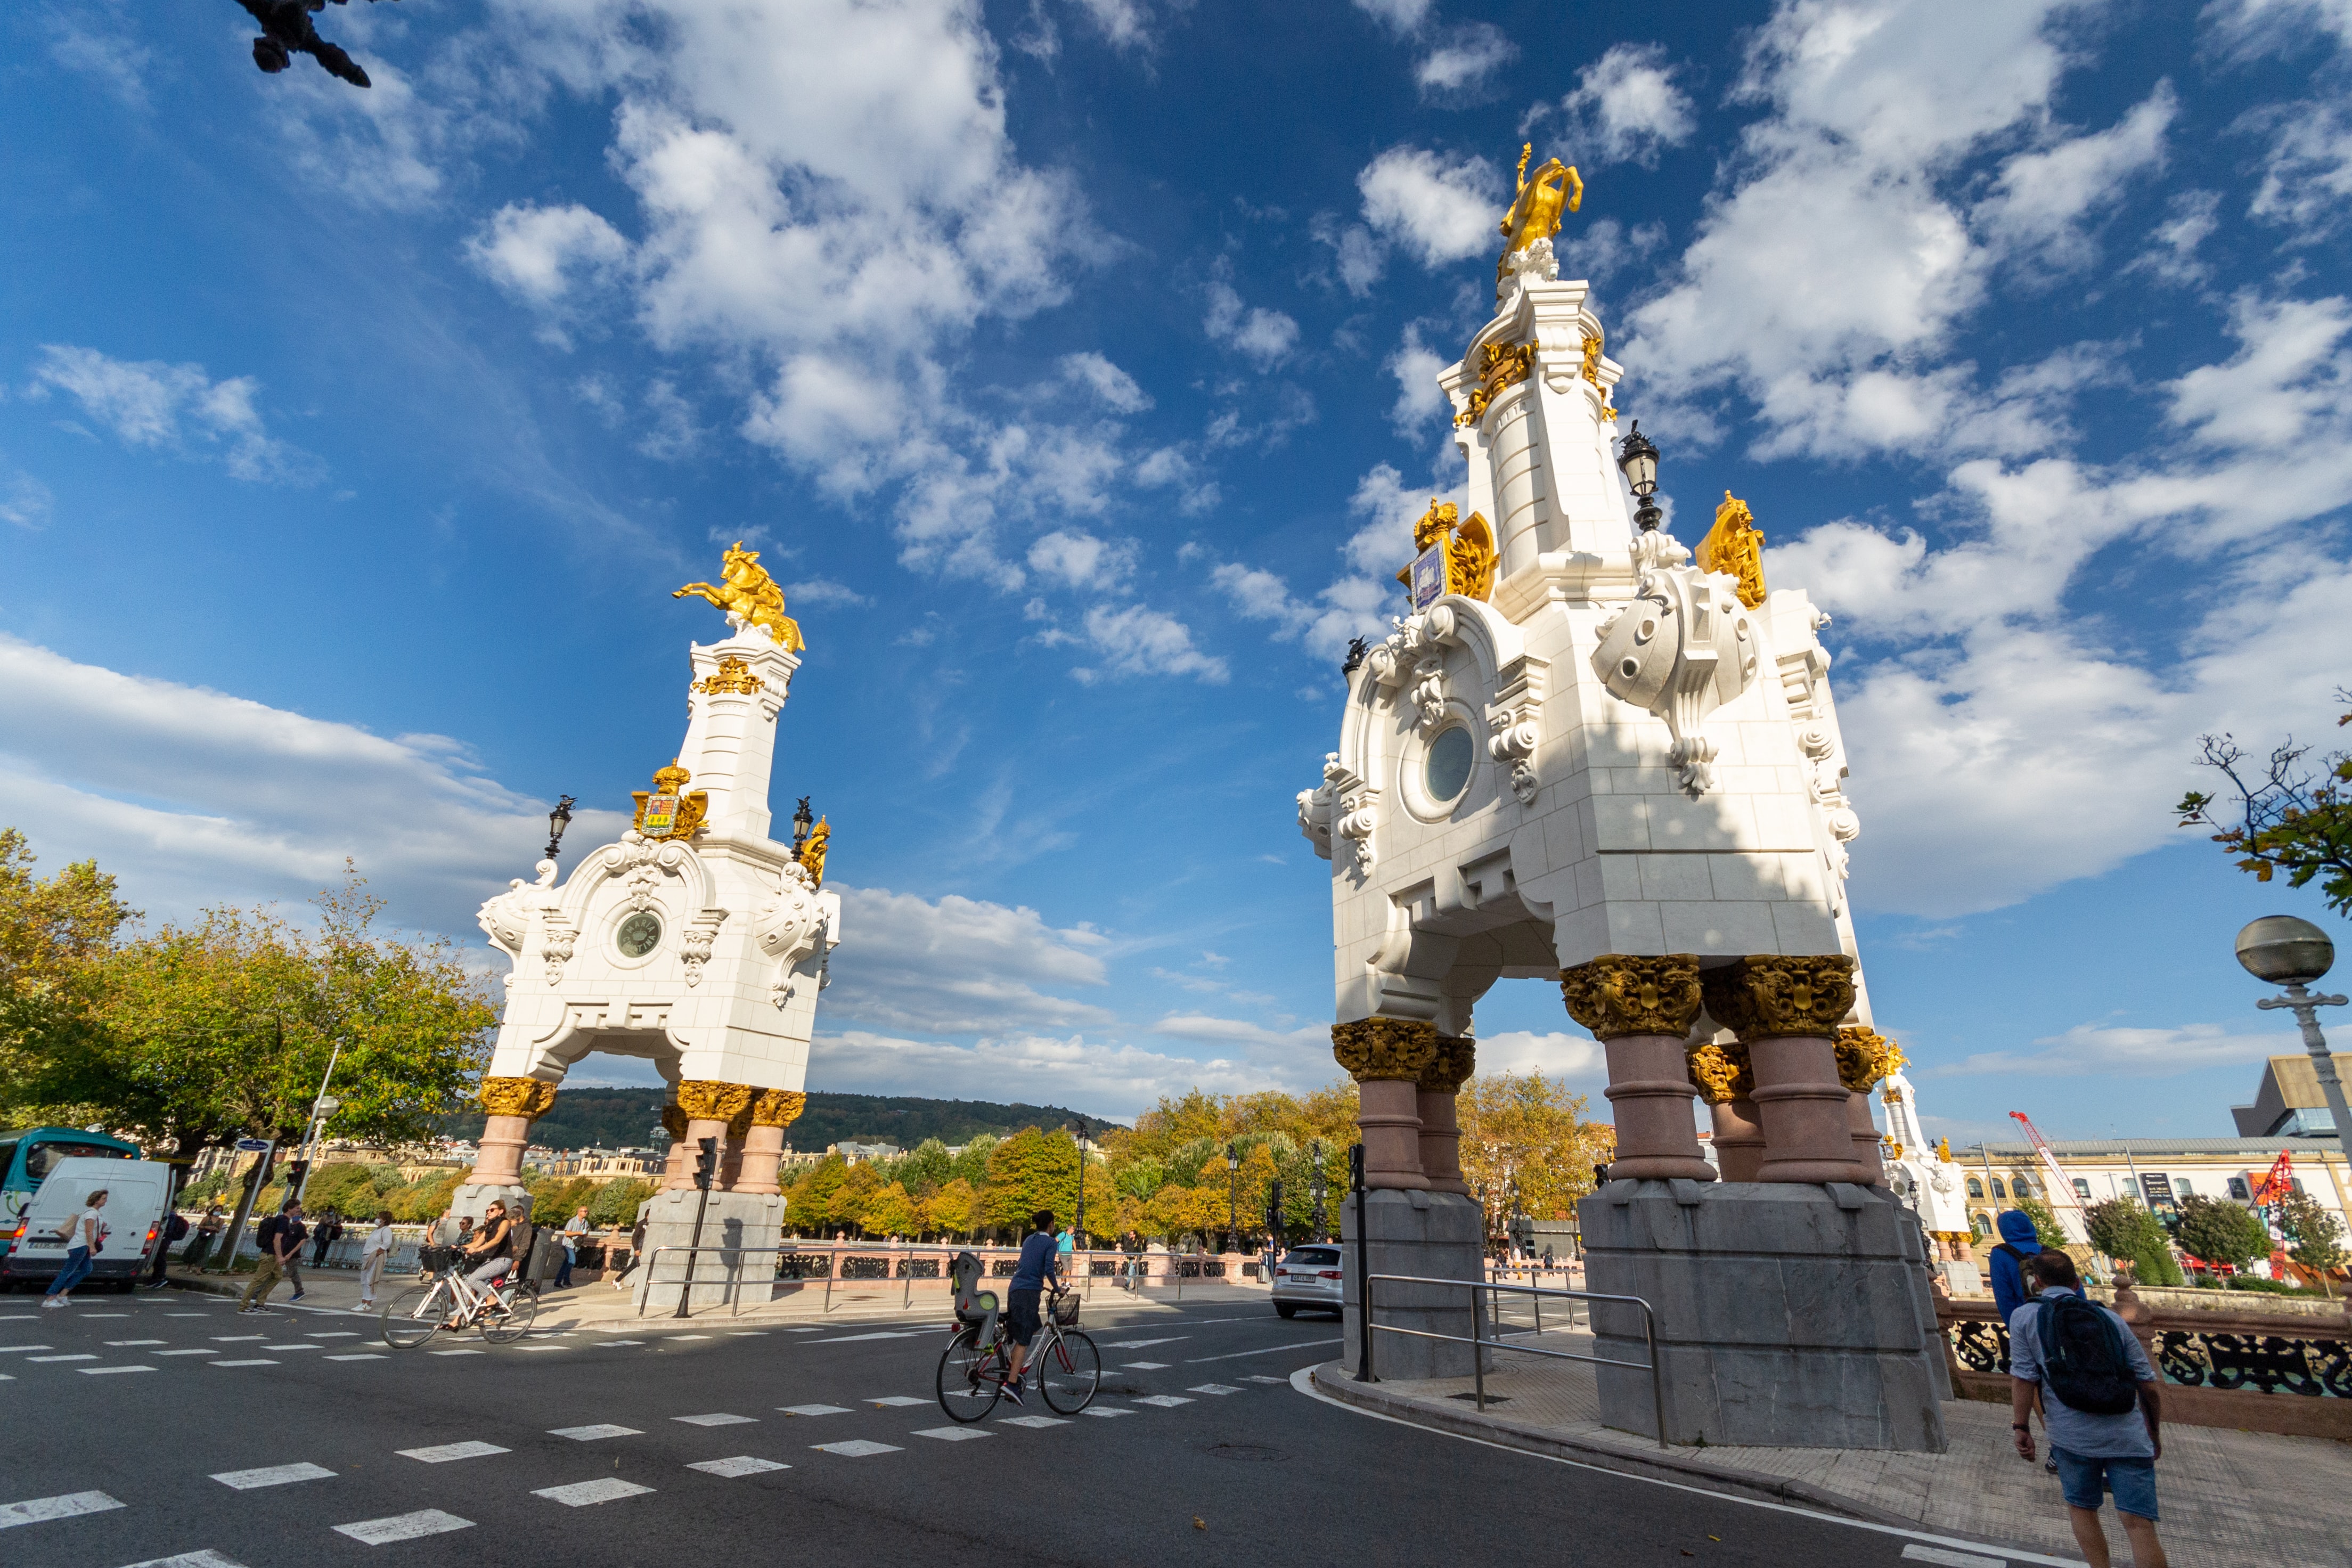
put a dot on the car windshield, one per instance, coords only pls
(43, 1158)
(1309, 1257)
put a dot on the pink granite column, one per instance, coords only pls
(513, 1103)
(1456, 1059)
(1387, 1057)
(1641, 1007)
(1863, 1057)
(1785, 1010)
(764, 1145)
(709, 1105)
(1726, 1081)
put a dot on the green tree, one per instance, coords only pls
(1525, 1137)
(54, 934)
(1026, 1173)
(616, 1204)
(2217, 1231)
(2280, 817)
(2046, 1228)
(857, 1189)
(970, 1166)
(2314, 1236)
(954, 1209)
(810, 1202)
(890, 1212)
(925, 1170)
(2127, 1232)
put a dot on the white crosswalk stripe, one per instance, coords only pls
(1164, 1401)
(240, 1363)
(402, 1527)
(103, 1371)
(1033, 1421)
(740, 1465)
(1219, 1389)
(443, 1452)
(581, 1494)
(208, 1558)
(590, 1434)
(717, 1418)
(952, 1434)
(41, 1510)
(814, 1409)
(1105, 1410)
(273, 1476)
(856, 1449)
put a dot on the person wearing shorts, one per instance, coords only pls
(2096, 1455)
(1025, 1293)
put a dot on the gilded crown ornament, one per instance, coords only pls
(734, 676)
(749, 596)
(1864, 1056)
(1777, 996)
(1384, 1047)
(1735, 546)
(673, 1120)
(1618, 994)
(1451, 1065)
(1723, 1072)
(1468, 556)
(665, 812)
(712, 1099)
(1500, 366)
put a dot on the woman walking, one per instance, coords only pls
(373, 1252)
(85, 1241)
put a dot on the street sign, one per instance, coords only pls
(253, 1145)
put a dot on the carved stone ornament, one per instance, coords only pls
(778, 1107)
(1384, 1047)
(1315, 807)
(1451, 1066)
(524, 1097)
(1864, 1056)
(1722, 1072)
(556, 951)
(1500, 367)
(1628, 993)
(1515, 720)
(734, 676)
(712, 1100)
(1682, 648)
(1772, 996)
(694, 943)
(1469, 553)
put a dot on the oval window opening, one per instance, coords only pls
(1449, 764)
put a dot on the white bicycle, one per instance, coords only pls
(450, 1301)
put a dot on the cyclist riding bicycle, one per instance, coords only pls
(489, 1251)
(1036, 1267)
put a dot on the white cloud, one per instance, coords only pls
(2040, 202)
(544, 253)
(1463, 64)
(1233, 1031)
(2257, 26)
(98, 42)
(1577, 1058)
(1106, 1079)
(1079, 560)
(1625, 108)
(1262, 336)
(672, 433)
(2307, 169)
(2193, 217)
(1359, 254)
(25, 501)
(1136, 640)
(824, 591)
(1403, 17)
(1421, 407)
(2113, 1051)
(1114, 387)
(960, 966)
(1443, 210)
(175, 408)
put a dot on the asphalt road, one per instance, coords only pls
(106, 1466)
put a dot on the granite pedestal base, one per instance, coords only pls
(1434, 1235)
(1788, 1314)
(474, 1199)
(751, 1223)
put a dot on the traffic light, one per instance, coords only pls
(295, 1171)
(706, 1164)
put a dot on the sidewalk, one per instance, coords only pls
(2229, 1499)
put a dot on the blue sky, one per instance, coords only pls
(1071, 362)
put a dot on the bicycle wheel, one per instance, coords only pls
(505, 1328)
(968, 1388)
(415, 1315)
(1069, 1373)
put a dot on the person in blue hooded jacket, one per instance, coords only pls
(2018, 1243)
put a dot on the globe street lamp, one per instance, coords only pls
(2294, 953)
(1638, 458)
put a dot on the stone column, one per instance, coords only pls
(731, 1159)
(1641, 1008)
(1863, 1057)
(1726, 1081)
(1785, 1009)
(764, 1145)
(709, 1104)
(673, 1123)
(1386, 1057)
(1456, 1059)
(514, 1103)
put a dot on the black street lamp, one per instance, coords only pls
(557, 821)
(1638, 458)
(1078, 1231)
(1232, 1195)
(804, 820)
(1315, 1184)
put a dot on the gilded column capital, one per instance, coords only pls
(673, 1120)
(1384, 1047)
(778, 1107)
(1455, 1059)
(528, 1098)
(1633, 993)
(1779, 996)
(713, 1100)
(1863, 1057)
(1722, 1072)
(740, 1124)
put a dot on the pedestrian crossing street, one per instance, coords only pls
(889, 1428)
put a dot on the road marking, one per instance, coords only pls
(686, 1336)
(402, 1527)
(273, 1476)
(187, 1353)
(208, 1558)
(952, 1434)
(542, 1347)
(1915, 1552)
(856, 1449)
(716, 1418)
(590, 1434)
(451, 1353)
(40, 1509)
(359, 1355)
(84, 1355)
(895, 1400)
(740, 1465)
(1138, 1345)
(581, 1494)
(748, 1334)
(787, 1331)
(128, 1342)
(1165, 1401)
(1105, 1410)
(1220, 1389)
(1269, 1350)
(14, 1348)
(334, 1334)
(1261, 1377)
(95, 1315)
(814, 1409)
(262, 1363)
(1033, 1421)
(103, 1371)
(624, 1341)
(856, 1339)
(444, 1453)
(238, 1339)
(296, 1346)
(187, 1314)
(1144, 1367)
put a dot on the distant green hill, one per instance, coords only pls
(610, 1117)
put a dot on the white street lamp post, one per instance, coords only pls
(2294, 953)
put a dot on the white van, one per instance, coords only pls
(137, 1207)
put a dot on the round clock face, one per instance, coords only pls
(639, 935)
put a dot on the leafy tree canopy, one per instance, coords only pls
(2281, 816)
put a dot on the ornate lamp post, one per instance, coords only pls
(557, 821)
(2294, 953)
(1315, 1184)
(1078, 1230)
(1638, 458)
(1232, 1195)
(804, 822)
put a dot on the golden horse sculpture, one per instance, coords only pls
(812, 854)
(745, 589)
(1735, 545)
(1535, 212)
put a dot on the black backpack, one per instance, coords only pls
(2083, 1359)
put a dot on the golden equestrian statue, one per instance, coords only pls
(1534, 214)
(1735, 545)
(748, 591)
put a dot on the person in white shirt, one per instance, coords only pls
(85, 1236)
(373, 1252)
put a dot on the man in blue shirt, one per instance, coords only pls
(2095, 1453)
(1021, 1297)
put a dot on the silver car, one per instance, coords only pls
(1307, 1277)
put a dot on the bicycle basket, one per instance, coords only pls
(436, 1259)
(1065, 1309)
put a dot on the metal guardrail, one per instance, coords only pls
(1480, 1343)
(1127, 1269)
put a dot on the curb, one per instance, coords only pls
(1666, 1467)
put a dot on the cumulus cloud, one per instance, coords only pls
(1441, 210)
(2306, 170)
(1262, 336)
(175, 408)
(2112, 1051)
(1403, 17)
(1107, 1077)
(25, 501)
(1117, 390)
(543, 253)
(961, 966)
(1138, 640)
(1420, 405)
(1625, 108)
(1463, 66)
(1076, 559)
(2042, 198)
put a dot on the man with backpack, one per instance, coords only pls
(281, 1246)
(2100, 1401)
